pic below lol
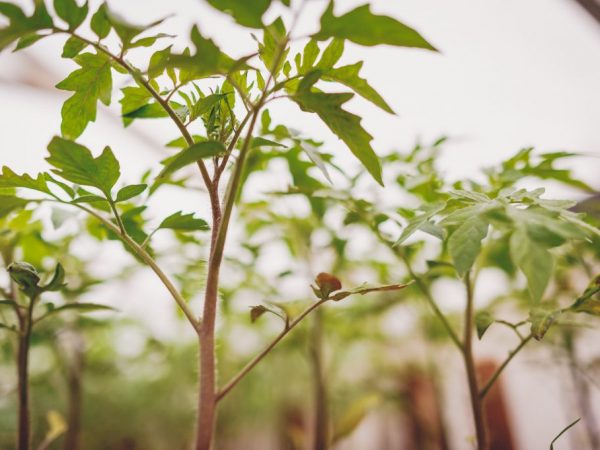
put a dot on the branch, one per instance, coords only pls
(144, 256)
(500, 369)
(248, 367)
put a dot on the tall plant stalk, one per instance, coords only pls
(476, 400)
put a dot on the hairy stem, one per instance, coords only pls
(258, 358)
(476, 401)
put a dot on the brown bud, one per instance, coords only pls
(327, 284)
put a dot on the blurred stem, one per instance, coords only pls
(476, 401)
(423, 287)
(24, 419)
(258, 358)
(582, 392)
(490, 383)
(320, 436)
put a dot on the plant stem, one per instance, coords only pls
(145, 256)
(24, 419)
(422, 287)
(499, 370)
(476, 401)
(208, 396)
(258, 358)
(320, 436)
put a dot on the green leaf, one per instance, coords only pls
(78, 307)
(262, 142)
(9, 179)
(9, 203)
(365, 28)
(274, 35)
(246, 13)
(343, 124)
(205, 104)
(28, 40)
(129, 192)
(196, 152)
(58, 280)
(99, 23)
(589, 301)
(348, 76)
(184, 222)
(70, 12)
(309, 56)
(542, 319)
(418, 222)
(89, 199)
(331, 55)
(91, 83)
(534, 260)
(158, 62)
(19, 25)
(127, 31)
(208, 59)
(483, 320)
(75, 163)
(366, 289)
(465, 243)
(73, 47)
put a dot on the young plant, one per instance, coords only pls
(495, 224)
(215, 135)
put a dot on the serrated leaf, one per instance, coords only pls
(349, 76)
(208, 59)
(363, 27)
(343, 124)
(184, 222)
(534, 260)
(70, 12)
(464, 243)
(10, 203)
(129, 192)
(20, 25)
(246, 13)
(91, 83)
(9, 179)
(483, 320)
(309, 56)
(196, 152)
(75, 163)
(125, 30)
(99, 23)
